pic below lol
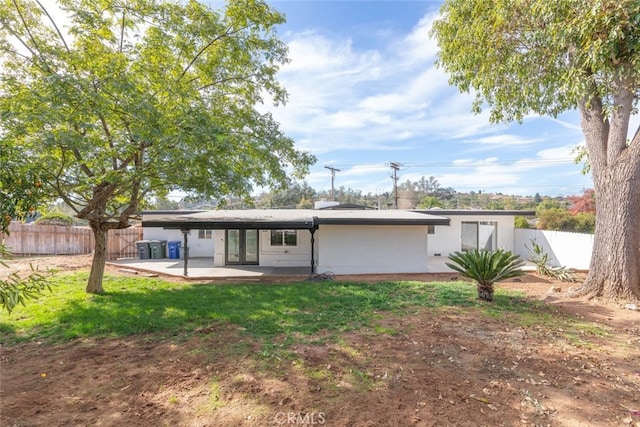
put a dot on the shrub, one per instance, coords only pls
(521, 222)
(55, 218)
(541, 259)
(486, 268)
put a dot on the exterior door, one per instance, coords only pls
(242, 247)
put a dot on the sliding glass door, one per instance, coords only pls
(242, 247)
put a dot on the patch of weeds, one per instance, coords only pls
(215, 402)
(577, 341)
(319, 373)
(354, 353)
(361, 381)
(238, 348)
(173, 400)
(593, 329)
(383, 330)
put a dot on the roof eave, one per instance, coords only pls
(225, 225)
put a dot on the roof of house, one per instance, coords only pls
(289, 219)
(351, 206)
(475, 212)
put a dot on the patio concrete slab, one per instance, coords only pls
(202, 268)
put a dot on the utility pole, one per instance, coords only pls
(333, 175)
(396, 167)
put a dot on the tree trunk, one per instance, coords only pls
(94, 285)
(614, 272)
(485, 291)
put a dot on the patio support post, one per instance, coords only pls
(313, 258)
(185, 233)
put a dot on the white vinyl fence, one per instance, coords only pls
(571, 250)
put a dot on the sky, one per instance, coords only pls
(364, 92)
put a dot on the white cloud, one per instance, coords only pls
(418, 46)
(347, 103)
(342, 99)
(504, 139)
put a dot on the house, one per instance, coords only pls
(343, 241)
(473, 229)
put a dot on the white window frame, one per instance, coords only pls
(278, 238)
(205, 234)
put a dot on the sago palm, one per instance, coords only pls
(486, 268)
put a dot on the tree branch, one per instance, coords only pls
(33, 40)
(227, 79)
(64, 42)
(207, 46)
(619, 119)
(122, 30)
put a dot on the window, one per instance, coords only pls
(205, 234)
(479, 235)
(431, 229)
(284, 238)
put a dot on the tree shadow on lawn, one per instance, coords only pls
(151, 306)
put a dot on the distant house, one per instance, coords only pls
(343, 241)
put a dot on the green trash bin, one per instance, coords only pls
(158, 249)
(143, 249)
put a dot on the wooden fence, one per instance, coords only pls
(32, 239)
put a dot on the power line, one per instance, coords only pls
(542, 162)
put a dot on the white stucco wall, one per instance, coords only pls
(372, 249)
(447, 239)
(285, 256)
(571, 250)
(197, 247)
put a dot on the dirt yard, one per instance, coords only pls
(447, 370)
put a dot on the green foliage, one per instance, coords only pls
(521, 57)
(293, 194)
(554, 219)
(15, 290)
(141, 97)
(521, 222)
(548, 204)
(163, 87)
(430, 202)
(486, 268)
(21, 193)
(55, 218)
(540, 258)
(561, 220)
(21, 189)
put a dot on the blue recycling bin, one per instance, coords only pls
(174, 249)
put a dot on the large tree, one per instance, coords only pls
(119, 101)
(549, 56)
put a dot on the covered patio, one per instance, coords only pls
(203, 269)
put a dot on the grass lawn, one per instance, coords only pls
(134, 305)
